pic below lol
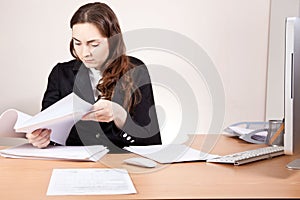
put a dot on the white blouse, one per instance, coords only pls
(95, 77)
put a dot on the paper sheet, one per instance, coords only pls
(60, 117)
(93, 181)
(170, 153)
(9, 119)
(79, 153)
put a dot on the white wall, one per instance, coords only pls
(35, 36)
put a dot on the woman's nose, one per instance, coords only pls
(86, 51)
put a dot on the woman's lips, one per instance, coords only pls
(88, 61)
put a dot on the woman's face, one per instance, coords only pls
(90, 46)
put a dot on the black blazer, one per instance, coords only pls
(141, 126)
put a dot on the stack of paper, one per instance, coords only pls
(77, 153)
(59, 117)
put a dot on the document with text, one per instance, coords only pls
(60, 117)
(95, 181)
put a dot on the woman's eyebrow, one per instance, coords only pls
(93, 40)
(76, 39)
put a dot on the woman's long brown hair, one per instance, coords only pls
(117, 66)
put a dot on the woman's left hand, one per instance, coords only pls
(107, 111)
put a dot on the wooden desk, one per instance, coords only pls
(29, 179)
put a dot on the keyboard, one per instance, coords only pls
(250, 155)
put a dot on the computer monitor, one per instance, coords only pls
(292, 86)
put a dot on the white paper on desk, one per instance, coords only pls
(76, 153)
(170, 153)
(60, 117)
(93, 181)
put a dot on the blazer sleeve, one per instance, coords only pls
(60, 83)
(52, 93)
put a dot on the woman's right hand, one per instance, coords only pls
(39, 138)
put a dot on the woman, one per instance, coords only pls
(117, 85)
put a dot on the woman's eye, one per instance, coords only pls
(77, 44)
(94, 45)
